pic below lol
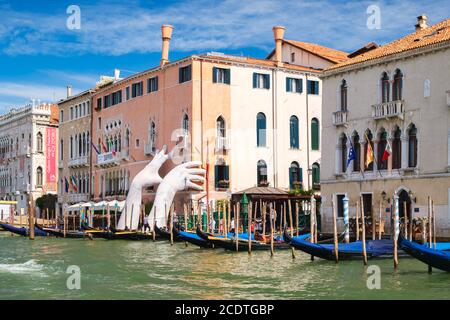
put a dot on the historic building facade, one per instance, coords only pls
(255, 121)
(28, 153)
(74, 148)
(394, 100)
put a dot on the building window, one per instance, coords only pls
(397, 149)
(343, 152)
(40, 143)
(344, 95)
(385, 91)
(261, 130)
(221, 75)
(185, 74)
(412, 147)
(136, 89)
(39, 177)
(152, 84)
(99, 103)
(71, 113)
(292, 57)
(127, 93)
(382, 144)
(340, 205)
(61, 116)
(368, 139)
(61, 150)
(185, 123)
(106, 101)
(367, 204)
(295, 176)
(316, 176)
(221, 128)
(137, 143)
(261, 81)
(315, 134)
(313, 87)
(397, 86)
(262, 174)
(294, 135)
(221, 176)
(116, 97)
(152, 134)
(357, 149)
(294, 85)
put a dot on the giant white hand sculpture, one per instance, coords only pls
(148, 177)
(179, 178)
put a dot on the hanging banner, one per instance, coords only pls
(50, 155)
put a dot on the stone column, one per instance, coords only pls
(389, 168)
(404, 140)
(338, 159)
(362, 154)
(375, 155)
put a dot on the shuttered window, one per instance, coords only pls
(185, 74)
(313, 87)
(221, 75)
(294, 85)
(261, 81)
(261, 130)
(152, 84)
(221, 175)
(315, 143)
(294, 135)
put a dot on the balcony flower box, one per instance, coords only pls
(223, 184)
(263, 183)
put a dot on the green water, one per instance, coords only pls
(146, 270)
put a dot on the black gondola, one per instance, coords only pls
(60, 233)
(193, 238)
(165, 235)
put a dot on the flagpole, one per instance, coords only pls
(352, 146)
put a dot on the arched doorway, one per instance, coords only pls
(403, 197)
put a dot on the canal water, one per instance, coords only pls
(146, 270)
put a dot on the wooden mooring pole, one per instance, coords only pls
(336, 247)
(363, 225)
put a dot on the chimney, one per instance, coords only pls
(166, 36)
(69, 91)
(278, 34)
(116, 74)
(421, 22)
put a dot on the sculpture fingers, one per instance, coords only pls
(194, 186)
(196, 171)
(191, 164)
(193, 177)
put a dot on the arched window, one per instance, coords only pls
(39, 177)
(357, 149)
(261, 130)
(127, 138)
(185, 123)
(397, 149)
(39, 142)
(369, 141)
(262, 173)
(412, 147)
(152, 134)
(84, 143)
(220, 127)
(80, 145)
(88, 143)
(397, 86)
(316, 176)
(71, 147)
(294, 135)
(382, 144)
(315, 135)
(295, 176)
(344, 95)
(385, 88)
(344, 152)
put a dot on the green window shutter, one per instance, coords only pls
(314, 134)
(216, 176)
(189, 71)
(214, 75)
(301, 174)
(266, 81)
(288, 84)
(180, 75)
(227, 76)
(227, 173)
(156, 83)
(291, 178)
(300, 86)
(316, 83)
(255, 80)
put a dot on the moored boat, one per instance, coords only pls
(193, 238)
(72, 234)
(22, 230)
(439, 259)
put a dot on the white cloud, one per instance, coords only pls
(122, 28)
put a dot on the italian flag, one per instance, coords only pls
(387, 152)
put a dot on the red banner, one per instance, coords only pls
(50, 155)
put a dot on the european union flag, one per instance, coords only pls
(351, 155)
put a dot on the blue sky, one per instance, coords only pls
(39, 55)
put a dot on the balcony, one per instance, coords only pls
(150, 148)
(392, 109)
(340, 118)
(222, 144)
(108, 159)
(78, 197)
(77, 162)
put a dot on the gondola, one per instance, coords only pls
(22, 230)
(439, 259)
(165, 235)
(122, 235)
(383, 248)
(206, 235)
(72, 234)
(193, 238)
(230, 244)
(321, 238)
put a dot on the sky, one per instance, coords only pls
(40, 55)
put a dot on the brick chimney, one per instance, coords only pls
(421, 22)
(278, 34)
(166, 36)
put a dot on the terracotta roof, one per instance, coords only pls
(332, 55)
(432, 35)
(255, 61)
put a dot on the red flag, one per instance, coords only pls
(387, 152)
